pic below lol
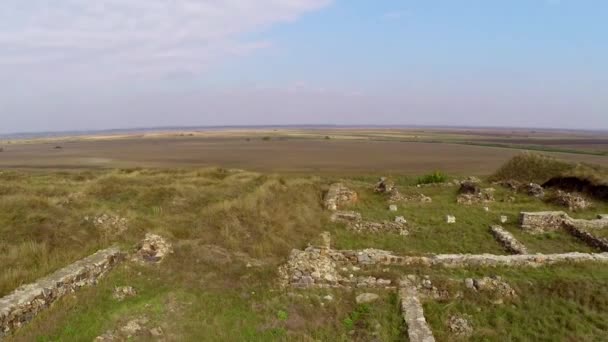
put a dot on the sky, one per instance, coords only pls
(86, 65)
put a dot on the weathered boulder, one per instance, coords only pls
(365, 298)
(384, 186)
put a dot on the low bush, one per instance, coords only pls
(435, 177)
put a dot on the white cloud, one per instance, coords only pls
(116, 38)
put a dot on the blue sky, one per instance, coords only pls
(76, 64)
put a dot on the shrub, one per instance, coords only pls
(266, 138)
(435, 177)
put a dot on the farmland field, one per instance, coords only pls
(234, 206)
(284, 150)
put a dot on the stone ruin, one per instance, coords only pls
(109, 224)
(588, 238)
(572, 201)
(499, 289)
(339, 195)
(508, 240)
(396, 196)
(470, 193)
(384, 186)
(153, 249)
(460, 326)
(418, 329)
(23, 304)
(354, 222)
(546, 221)
(530, 189)
(542, 221)
(321, 266)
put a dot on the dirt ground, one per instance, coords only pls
(303, 151)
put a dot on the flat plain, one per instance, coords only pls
(235, 205)
(337, 151)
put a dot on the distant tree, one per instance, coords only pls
(327, 137)
(58, 147)
(266, 138)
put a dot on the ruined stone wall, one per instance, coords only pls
(599, 223)
(339, 195)
(546, 221)
(543, 221)
(27, 301)
(326, 267)
(588, 238)
(508, 240)
(378, 257)
(413, 313)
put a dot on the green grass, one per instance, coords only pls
(198, 295)
(564, 302)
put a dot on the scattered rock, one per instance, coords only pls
(530, 189)
(108, 336)
(379, 227)
(133, 326)
(392, 207)
(328, 298)
(396, 196)
(109, 224)
(450, 219)
(460, 326)
(482, 196)
(122, 292)
(367, 298)
(153, 249)
(503, 219)
(156, 332)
